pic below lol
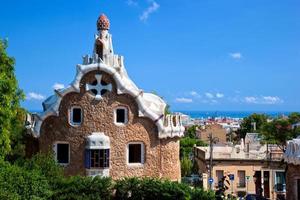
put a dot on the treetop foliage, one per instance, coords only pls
(11, 114)
(276, 130)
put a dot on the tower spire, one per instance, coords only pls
(103, 43)
(103, 23)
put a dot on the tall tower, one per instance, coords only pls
(103, 41)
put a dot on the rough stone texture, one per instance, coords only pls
(292, 175)
(161, 156)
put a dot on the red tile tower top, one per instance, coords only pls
(103, 23)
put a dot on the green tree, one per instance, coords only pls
(279, 131)
(191, 131)
(186, 166)
(10, 97)
(17, 183)
(294, 117)
(167, 110)
(247, 126)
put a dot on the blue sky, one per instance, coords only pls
(197, 54)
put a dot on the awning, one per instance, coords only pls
(97, 141)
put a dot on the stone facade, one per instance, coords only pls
(293, 182)
(161, 155)
(145, 119)
(292, 158)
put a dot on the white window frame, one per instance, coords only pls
(142, 155)
(55, 152)
(126, 116)
(71, 116)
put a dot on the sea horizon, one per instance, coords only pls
(198, 114)
(230, 114)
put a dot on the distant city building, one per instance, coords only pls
(292, 158)
(254, 167)
(103, 124)
(215, 129)
(186, 120)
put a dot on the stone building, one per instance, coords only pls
(292, 158)
(103, 124)
(255, 167)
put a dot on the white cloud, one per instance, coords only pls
(58, 86)
(195, 94)
(132, 3)
(35, 96)
(271, 100)
(184, 100)
(219, 95)
(209, 95)
(236, 55)
(151, 9)
(251, 99)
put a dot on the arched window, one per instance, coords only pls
(121, 115)
(75, 116)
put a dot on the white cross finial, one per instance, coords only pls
(98, 87)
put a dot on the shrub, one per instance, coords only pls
(41, 178)
(46, 164)
(200, 194)
(150, 189)
(18, 183)
(83, 188)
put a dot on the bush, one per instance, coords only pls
(41, 178)
(155, 189)
(200, 194)
(18, 183)
(83, 188)
(46, 164)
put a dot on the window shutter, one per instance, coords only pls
(87, 158)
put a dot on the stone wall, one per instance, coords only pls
(161, 156)
(293, 173)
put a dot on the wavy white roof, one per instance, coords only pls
(150, 105)
(292, 153)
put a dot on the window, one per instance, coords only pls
(220, 174)
(135, 153)
(121, 116)
(76, 116)
(280, 181)
(242, 179)
(62, 153)
(97, 158)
